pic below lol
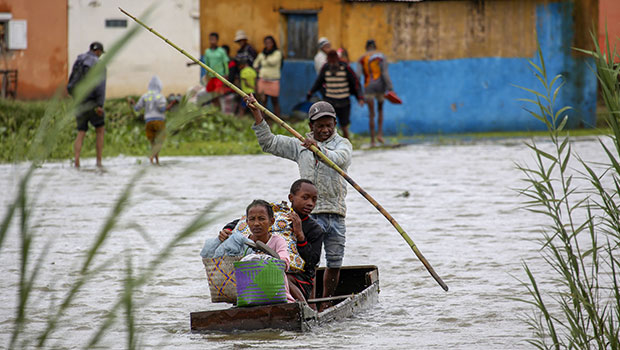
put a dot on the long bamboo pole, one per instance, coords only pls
(313, 148)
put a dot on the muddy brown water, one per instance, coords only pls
(458, 203)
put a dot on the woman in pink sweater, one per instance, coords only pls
(260, 219)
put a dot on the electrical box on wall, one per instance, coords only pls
(14, 32)
(17, 34)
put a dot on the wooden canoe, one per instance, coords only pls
(358, 286)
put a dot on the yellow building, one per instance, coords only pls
(449, 60)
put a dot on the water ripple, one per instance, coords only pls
(462, 212)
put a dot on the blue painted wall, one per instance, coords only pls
(297, 78)
(473, 94)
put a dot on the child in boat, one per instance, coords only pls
(303, 196)
(248, 81)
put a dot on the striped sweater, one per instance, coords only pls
(339, 83)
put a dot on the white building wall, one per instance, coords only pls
(146, 54)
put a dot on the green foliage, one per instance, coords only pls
(19, 123)
(36, 132)
(582, 241)
(190, 130)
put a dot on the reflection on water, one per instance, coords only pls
(461, 211)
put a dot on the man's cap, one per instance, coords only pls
(240, 35)
(370, 42)
(323, 41)
(96, 46)
(321, 109)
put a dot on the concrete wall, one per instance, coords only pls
(260, 18)
(474, 94)
(42, 66)
(609, 15)
(453, 63)
(146, 54)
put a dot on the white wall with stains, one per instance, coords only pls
(146, 54)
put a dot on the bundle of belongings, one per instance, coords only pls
(228, 273)
(260, 280)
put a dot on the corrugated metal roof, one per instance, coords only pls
(389, 0)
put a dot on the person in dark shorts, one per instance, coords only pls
(91, 109)
(339, 82)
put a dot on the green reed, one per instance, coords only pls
(580, 307)
(58, 114)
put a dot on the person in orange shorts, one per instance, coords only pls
(154, 105)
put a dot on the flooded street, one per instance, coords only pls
(457, 202)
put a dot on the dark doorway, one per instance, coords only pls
(301, 35)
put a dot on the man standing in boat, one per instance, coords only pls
(330, 209)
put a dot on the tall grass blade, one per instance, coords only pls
(197, 224)
(579, 316)
(108, 225)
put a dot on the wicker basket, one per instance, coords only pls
(221, 277)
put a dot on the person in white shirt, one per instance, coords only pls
(321, 56)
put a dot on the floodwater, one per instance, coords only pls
(462, 210)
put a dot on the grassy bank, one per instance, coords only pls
(192, 132)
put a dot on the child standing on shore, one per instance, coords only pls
(248, 81)
(154, 105)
